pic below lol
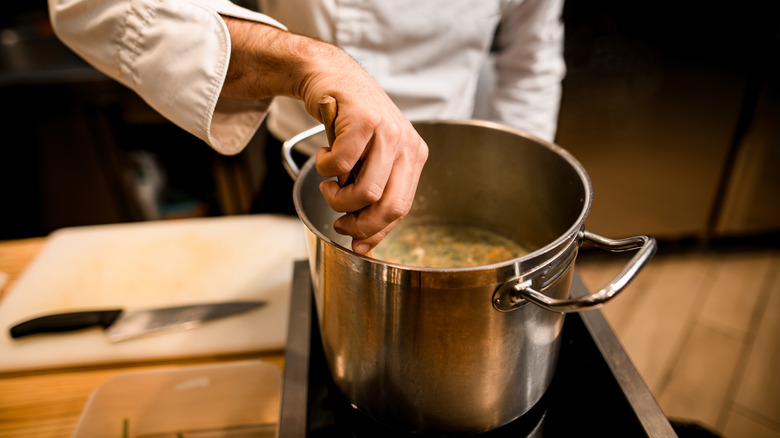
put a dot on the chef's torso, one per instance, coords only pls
(426, 54)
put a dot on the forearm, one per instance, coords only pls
(173, 53)
(214, 76)
(266, 62)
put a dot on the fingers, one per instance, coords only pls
(371, 224)
(372, 135)
(373, 173)
(348, 146)
(363, 246)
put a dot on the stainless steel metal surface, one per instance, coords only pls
(425, 349)
(512, 295)
(132, 324)
(633, 409)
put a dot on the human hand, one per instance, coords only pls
(329, 110)
(377, 189)
(369, 128)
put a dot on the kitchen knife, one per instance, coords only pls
(122, 324)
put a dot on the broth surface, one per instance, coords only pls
(445, 246)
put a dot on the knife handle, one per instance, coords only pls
(65, 322)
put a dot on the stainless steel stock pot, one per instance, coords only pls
(458, 351)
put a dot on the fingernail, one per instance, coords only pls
(362, 248)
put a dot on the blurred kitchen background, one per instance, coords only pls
(672, 108)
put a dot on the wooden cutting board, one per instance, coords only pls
(156, 264)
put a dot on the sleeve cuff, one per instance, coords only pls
(176, 56)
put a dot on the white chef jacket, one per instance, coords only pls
(428, 55)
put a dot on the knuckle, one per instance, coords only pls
(359, 230)
(422, 152)
(393, 129)
(388, 129)
(396, 210)
(360, 235)
(371, 194)
(341, 166)
(332, 164)
(367, 125)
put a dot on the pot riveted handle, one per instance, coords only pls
(522, 291)
(287, 159)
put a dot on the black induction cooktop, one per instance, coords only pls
(596, 391)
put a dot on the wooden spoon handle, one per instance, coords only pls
(329, 109)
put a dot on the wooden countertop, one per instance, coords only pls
(49, 403)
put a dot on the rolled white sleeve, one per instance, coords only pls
(529, 66)
(173, 53)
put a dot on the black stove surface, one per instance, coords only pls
(596, 391)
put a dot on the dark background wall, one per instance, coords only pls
(672, 108)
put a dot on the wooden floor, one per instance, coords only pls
(703, 329)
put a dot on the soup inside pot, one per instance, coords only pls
(436, 245)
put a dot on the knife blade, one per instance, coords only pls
(121, 324)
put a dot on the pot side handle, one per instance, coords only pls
(287, 159)
(646, 246)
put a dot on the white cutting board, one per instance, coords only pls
(156, 264)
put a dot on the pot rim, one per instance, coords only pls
(541, 253)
